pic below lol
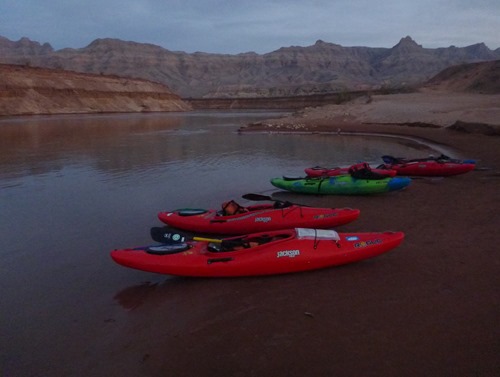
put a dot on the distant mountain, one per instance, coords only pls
(320, 68)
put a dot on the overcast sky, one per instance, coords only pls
(235, 26)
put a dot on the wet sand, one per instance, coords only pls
(428, 308)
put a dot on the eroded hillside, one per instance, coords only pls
(474, 78)
(28, 90)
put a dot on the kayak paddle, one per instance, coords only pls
(169, 238)
(258, 197)
(167, 235)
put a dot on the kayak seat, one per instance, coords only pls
(232, 245)
(214, 247)
(239, 244)
(279, 204)
(227, 245)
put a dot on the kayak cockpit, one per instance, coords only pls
(232, 207)
(241, 243)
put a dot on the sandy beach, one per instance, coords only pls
(429, 308)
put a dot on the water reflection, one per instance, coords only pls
(132, 297)
(73, 188)
(117, 145)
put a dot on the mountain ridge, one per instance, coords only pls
(320, 68)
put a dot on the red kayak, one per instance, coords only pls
(319, 171)
(265, 253)
(430, 167)
(257, 218)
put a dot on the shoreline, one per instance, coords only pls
(457, 120)
(438, 147)
(429, 307)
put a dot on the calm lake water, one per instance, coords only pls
(72, 188)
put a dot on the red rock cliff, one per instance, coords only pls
(28, 90)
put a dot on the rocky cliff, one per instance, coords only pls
(289, 71)
(27, 90)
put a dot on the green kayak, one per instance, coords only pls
(341, 185)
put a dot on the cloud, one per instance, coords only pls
(222, 26)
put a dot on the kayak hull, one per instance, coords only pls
(341, 185)
(260, 218)
(318, 171)
(286, 255)
(431, 168)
